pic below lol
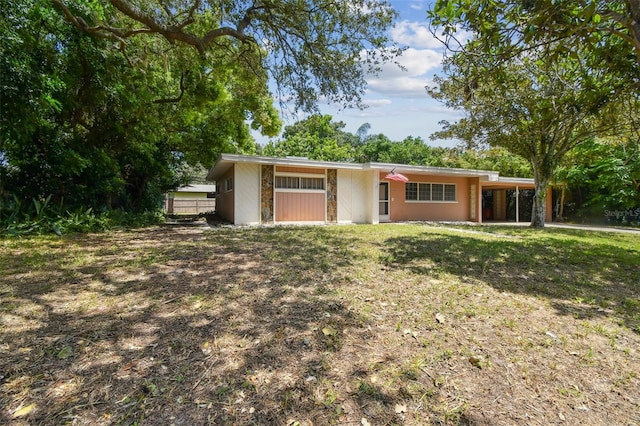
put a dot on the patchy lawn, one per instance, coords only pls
(379, 325)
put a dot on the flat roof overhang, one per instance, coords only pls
(225, 161)
(510, 183)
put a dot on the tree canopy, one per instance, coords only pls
(538, 78)
(105, 103)
(608, 29)
(80, 123)
(316, 137)
(311, 48)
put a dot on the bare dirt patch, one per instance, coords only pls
(357, 325)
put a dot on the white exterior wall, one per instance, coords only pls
(372, 194)
(345, 194)
(353, 201)
(247, 194)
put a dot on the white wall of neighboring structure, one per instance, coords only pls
(247, 194)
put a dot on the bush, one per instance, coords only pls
(40, 217)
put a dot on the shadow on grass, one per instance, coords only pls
(582, 273)
(237, 326)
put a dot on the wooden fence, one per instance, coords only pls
(189, 205)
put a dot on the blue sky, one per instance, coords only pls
(398, 103)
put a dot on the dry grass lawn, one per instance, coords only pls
(391, 324)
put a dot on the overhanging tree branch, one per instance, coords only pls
(152, 25)
(177, 98)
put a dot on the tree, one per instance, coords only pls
(497, 159)
(607, 29)
(534, 109)
(375, 148)
(601, 38)
(363, 132)
(316, 137)
(312, 48)
(81, 124)
(602, 176)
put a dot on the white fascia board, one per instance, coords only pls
(226, 160)
(485, 175)
(292, 162)
(515, 181)
(218, 169)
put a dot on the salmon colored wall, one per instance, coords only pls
(225, 207)
(300, 207)
(400, 210)
(286, 169)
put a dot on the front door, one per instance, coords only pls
(383, 202)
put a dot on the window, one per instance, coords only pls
(424, 191)
(430, 192)
(287, 182)
(449, 193)
(297, 182)
(437, 192)
(311, 183)
(411, 191)
(228, 185)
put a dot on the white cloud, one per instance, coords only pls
(377, 103)
(407, 87)
(413, 62)
(415, 35)
(410, 82)
(417, 62)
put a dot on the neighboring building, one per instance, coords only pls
(191, 199)
(261, 190)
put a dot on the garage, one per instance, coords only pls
(299, 195)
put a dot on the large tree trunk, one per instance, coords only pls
(539, 210)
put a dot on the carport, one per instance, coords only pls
(510, 200)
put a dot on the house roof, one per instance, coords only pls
(196, 188)
(485, 175)
(225, 161)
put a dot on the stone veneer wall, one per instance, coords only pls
(266, 201)
(332, 195)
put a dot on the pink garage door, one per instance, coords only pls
(300, 207)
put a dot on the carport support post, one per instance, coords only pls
(517, 204)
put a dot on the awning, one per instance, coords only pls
(396, 176)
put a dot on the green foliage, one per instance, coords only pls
(93, 127)
(602, 176)
(312, 49)
(40, 216)
(109, 115)
(544, 109)
(316, 138)
(507, 28)
(319, 138)
(373, 148)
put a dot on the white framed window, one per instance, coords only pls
(228, 185)
(437, 192)
(299, 182)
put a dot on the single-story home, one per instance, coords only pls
(266, 190)
(190, 199)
